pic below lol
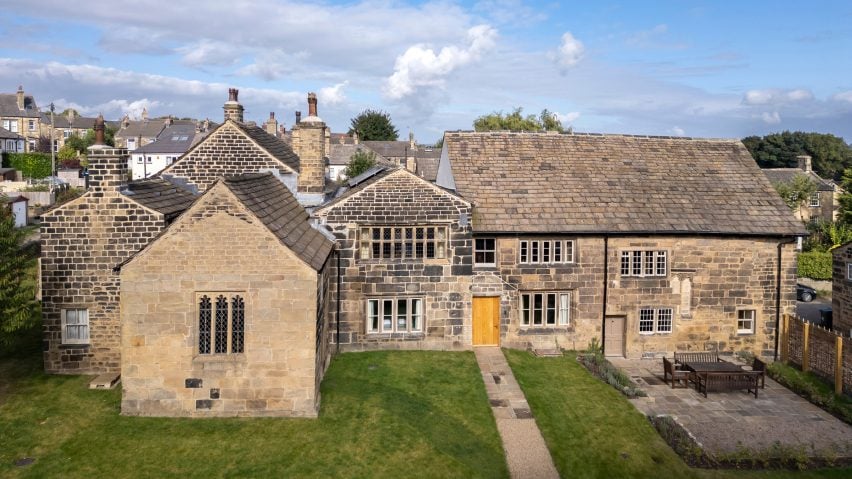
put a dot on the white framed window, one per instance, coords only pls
(11, 125)
(547, 308)
(221, 323)
(746, 321)
(32, 144)
(66, 134)
(139, 160)
(655, 320)
(849, 271)
(814, 201)
(646, 263)
(31, 124)
(485, 251)
(75, 326)
(131, 143)
(403, 242)
(148, 159)
(395, 315)
(547, 251)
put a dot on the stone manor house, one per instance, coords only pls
(223, 285)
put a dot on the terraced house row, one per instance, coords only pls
(223, 285)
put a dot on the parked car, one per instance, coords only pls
(805, 293)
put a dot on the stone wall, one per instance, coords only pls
(708, 281)
(402, 199)
(841, 290)
(162, 372)
(82, 241)
(226, 151)
(309, 144)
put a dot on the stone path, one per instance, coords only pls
(722, 420)
(526, 451)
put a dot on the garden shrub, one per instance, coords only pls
(31, 165)
(815, 265)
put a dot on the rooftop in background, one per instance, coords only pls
(587, 183)
(9, 106)
(176, 139)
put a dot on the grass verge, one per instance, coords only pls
(592, 430)
(384, 414)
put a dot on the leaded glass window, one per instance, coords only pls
(204, 320)
(221, 335)
(221, 324)
(408, 242)
(238, 322)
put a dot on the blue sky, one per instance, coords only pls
(694, 68)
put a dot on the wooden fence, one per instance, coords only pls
(818, 350)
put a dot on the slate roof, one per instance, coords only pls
(9, 106)
(278, 209)
(341, 154)
(8, 135)
(388, 149)
(587, 183)
(143, 128)
(427, 162)
(176, 138)
(159, 195)
(786, 175)
(275, 146)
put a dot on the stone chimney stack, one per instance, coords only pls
(144, 114)
(309, 141)
(410, 160)
(271, 125)
(20, 97)
(804, 163)
(107, 165)
(233, 109)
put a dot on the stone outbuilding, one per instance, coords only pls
(223, 314)
(841, 289)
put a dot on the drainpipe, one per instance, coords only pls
(605, 285)
(337, 312)
(778, 296)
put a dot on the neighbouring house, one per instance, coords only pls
(18, 206)
(841, 289)
(68, 125)
(175, 139)
(133, 134)
(11, 142)
(339, 156)
(20, 114)
(823, 203)
(216, 289)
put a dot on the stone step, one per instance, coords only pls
(105, 381)
(547, 353)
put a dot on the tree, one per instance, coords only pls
(831, 155)
(43, 144)
(515, 121)
(359, 162)
(796, 192)
(373, 125)
(17, 297)
(66, 111)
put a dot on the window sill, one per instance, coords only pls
(406, 335)
(534, 330)
(219, 358)
(656, 334)
(745, 333)
(74, 346)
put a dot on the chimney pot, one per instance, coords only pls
(271, 115)
(298, 117)
(312, 104)
(99, 130)
(233, 93)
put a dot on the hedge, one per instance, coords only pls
(31, 165)
(815, 265)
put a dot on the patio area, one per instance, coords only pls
(724, 420)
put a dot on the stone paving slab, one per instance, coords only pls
(526, 452)
(725, 419)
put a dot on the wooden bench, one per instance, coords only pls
(701, 357)
(677, 375)
(727, 381)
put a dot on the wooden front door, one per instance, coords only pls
(486, 321)
(614, 343)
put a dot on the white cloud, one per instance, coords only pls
(570, 52)
(332, 95)
(420, 66)
(274, 64)
(112, 108)
(678, 131)
(208, 52)
(843, 96)
(567, 118)
(771, 118)
(776, 96)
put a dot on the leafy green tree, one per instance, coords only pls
(374, 125)
(516, 121)
(359, 162)
(796, 192)
(17, 296)
(66, 111)
(831, 155)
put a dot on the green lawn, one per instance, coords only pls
(594, 431)
(384, 414)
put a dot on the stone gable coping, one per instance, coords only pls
(341, 200)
